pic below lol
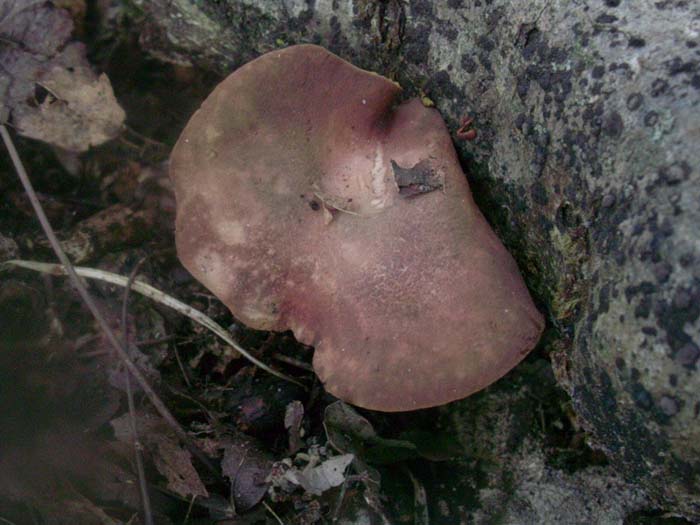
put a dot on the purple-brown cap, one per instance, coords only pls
(309, 199)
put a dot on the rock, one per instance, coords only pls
(549, 496)
(586, 163)
(520, 479)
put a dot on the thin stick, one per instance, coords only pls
(143, 487)
(189, 510)
(269, 509)
(155, 294)
(181, 366)
(82, 290)
(294, 362)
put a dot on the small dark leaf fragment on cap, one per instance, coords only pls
(421, 178)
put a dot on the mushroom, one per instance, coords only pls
(310, 199)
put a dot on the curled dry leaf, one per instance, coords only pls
(47, 88)
(171, 460)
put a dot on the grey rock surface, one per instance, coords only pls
(587, 163)
(525, 471)
(548, 496)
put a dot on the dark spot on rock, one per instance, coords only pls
(681, 299)
(455, 4)
(422, 8)
(606, 386)
(539, 193)
(673, 379)
(695, 81)
(673, 316)
(613, 125)
(668, 405)
(643, 309)
(612, 3)
(417, 46)
(485, 42)
(691, 44)
(662, 271)
(651, 118)
(448, 31)
(641, 396)
(598, 72)
(485, 61)
(534, 44)
(634, 101)
(634, 374)
(567, 217)
(314, 205)
(677, 66)
(606, 18)
(658, 87)
(686, 259)
(441, 85)
(604, 299)
(620, 363)
(608, 200)
(675, 173)
(468, 64)
(649, 330)
(636, 42)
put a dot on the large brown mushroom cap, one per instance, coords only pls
(308, 200)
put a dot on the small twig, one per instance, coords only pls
(181, 366)
(269, 509)
(82, 290)
(189, 510)
(144, 137)
(294, 362)
(420, 500)
(145, 343)
(143, 487)
(339, 502)
(155, 294)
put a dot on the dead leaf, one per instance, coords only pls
(47, 88)
(175, 463)
(247, 467)
(171, 460)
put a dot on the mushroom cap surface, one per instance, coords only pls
(310, 199)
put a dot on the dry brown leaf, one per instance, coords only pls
(171, 460)
(175, 463)
(48, 90)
